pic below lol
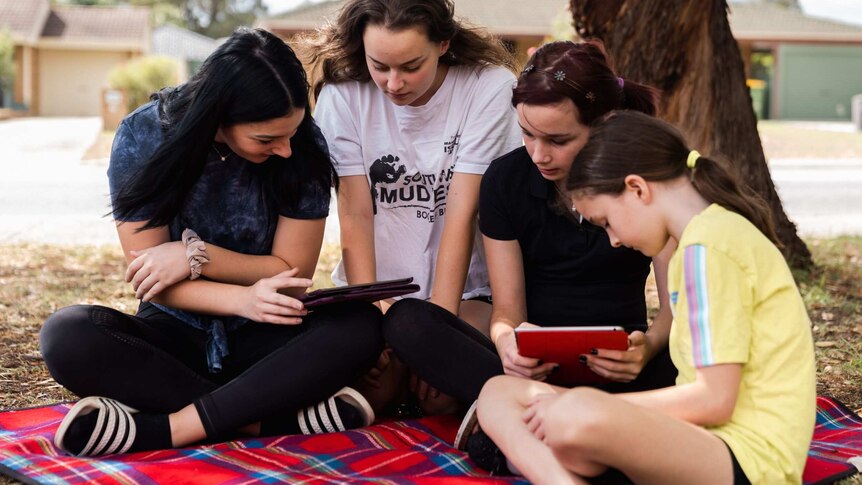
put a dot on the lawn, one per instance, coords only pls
(802, 140)
(36, 280)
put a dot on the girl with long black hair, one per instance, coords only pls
(220, 188)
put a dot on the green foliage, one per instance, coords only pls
(561, 26)
(166, 13)
(7, 58)
(213, 18)
(88, 2)
(143, 76)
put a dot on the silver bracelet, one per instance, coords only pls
(196, 252)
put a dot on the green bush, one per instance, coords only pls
(7, 58)
(143, 76)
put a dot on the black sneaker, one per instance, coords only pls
(487, 455)
(346, 409)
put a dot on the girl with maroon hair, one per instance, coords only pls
(547, 266)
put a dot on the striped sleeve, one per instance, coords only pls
(697, 290)
(719, 312)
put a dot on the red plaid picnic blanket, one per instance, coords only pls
(836, 449)
(395, 452)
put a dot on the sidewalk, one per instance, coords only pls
(47, 195)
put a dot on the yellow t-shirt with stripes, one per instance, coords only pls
(735, 301)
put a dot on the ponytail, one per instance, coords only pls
(721, 186)
(639, 97)
(628, 142)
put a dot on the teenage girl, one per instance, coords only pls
(220, 189)
(743, 409)
(414, 105)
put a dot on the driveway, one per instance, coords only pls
(47, 194)
(822, 196)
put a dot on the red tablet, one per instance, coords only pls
(565, 345)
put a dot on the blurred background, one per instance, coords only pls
(103, 57)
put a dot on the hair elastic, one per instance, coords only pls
(691, 161)
(196, 252)
(621, 82)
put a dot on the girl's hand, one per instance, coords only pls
(622, 365)
(515, 364)
(421, 388)
(263, 303)
(534, 415)
(157, 268)
(372, 377)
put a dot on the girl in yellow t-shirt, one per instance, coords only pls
(743, 408)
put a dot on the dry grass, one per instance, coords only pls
(36, 280)
(795, 140)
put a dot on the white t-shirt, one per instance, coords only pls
(409, 155)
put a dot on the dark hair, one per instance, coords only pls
(626, 142)
(337, 51)
(581, 72)
(253, 76)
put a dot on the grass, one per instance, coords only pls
(793, 140)
(36, 280)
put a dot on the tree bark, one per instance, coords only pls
(686, 49)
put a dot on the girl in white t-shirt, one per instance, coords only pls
(414, 106)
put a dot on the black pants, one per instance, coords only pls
(154, 362)
(452, 356)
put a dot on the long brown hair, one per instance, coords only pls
(336, 52)
(581, 72)
(630, 143)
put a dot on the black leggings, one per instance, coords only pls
(452, 356)
(154, 362)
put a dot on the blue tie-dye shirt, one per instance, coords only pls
(227, 206)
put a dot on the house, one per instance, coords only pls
(188, 48)
(63, 53)
(521, 24)
(809, 67)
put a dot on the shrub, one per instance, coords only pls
(143, 76)
(7, 58)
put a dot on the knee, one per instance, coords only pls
(500, 392)
(402, 324)
(499, 387)
(62, 339)
(359, 322)
(577, 420)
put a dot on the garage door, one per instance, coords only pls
(817, 82)
(70, 81)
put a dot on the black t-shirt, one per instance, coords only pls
(573, 276)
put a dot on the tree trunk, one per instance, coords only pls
(686, 49)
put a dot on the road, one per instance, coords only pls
(47, 194)
(822, 196)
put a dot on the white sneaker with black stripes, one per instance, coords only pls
(346, 409)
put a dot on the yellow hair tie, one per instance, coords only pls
(692, 159)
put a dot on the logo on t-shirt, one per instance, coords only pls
(394, 189)
(449, 146)
(383, 171)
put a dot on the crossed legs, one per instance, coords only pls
(587, 430)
